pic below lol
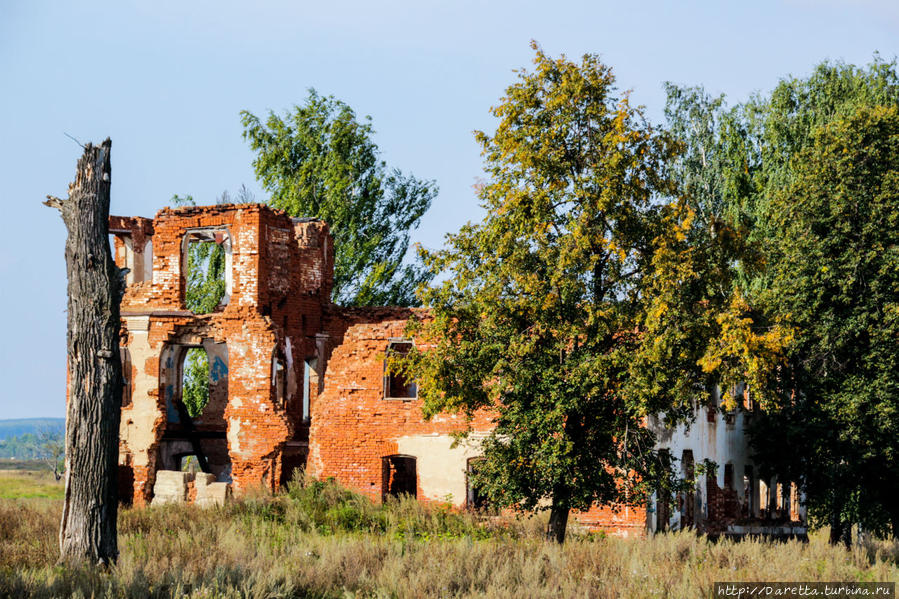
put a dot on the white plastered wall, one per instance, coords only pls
(441, 464)
(137, 428)
(719, 441)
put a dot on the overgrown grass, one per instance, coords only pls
(319, 540)
(18, 484)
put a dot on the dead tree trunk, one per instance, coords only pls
(88, 528)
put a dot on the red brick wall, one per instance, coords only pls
(353, 426)
(280, 282)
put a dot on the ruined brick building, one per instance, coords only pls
(297, 382)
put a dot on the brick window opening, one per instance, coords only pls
(279, 379)
(399, 476)
(310, 379)
(396, 386)
(138, 260)
(476, 499)
(206, 264)
(193, 379)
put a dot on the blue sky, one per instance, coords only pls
(167, 79)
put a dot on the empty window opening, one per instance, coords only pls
(310, 378)
(400, 476)
(663, 499)
(279, 379)
(188, 463)
(476, 498)
(749, 492)
(195, 381)
(396, 385)
(138, 260)
(729, 476)
(207, 271)
(688, 496)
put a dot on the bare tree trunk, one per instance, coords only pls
(88, 528)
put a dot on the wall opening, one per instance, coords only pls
(310, 378)
(279, 378)
(137, 259)
(475, 497)
(125, 355)
(688, 495)
(663, 500)
(750, 495)
(206, 260)
(729, 477)
(194, 380)
(399, 476)
(188, 462)
(396, 385)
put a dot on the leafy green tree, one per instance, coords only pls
(195, 382)
(538, 314)
(799, 208)
(835, 272)
(53, 450)
(319, 160)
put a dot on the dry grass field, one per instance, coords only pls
(319, 540)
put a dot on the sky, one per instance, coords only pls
(166, 80)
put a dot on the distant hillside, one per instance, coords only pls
(21, 426)
(25, 438)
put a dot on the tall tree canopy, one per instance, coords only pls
(319, 160)
(806, 178)
(538, 316)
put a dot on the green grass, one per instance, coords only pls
(23, 484)
(319, 540)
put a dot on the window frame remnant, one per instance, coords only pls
(279, 378)
(219, 235)
(408, 391)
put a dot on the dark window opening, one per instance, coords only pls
(126, 376)
(476, 498)
(396, 386)
(279, 379)
(729, 476)
(749, 495)
(399, 476)
(663, 500)
(688, 496)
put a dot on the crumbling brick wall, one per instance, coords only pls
(280, 280)
(354, 428)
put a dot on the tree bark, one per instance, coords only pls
(95, 287)
(558, 517)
